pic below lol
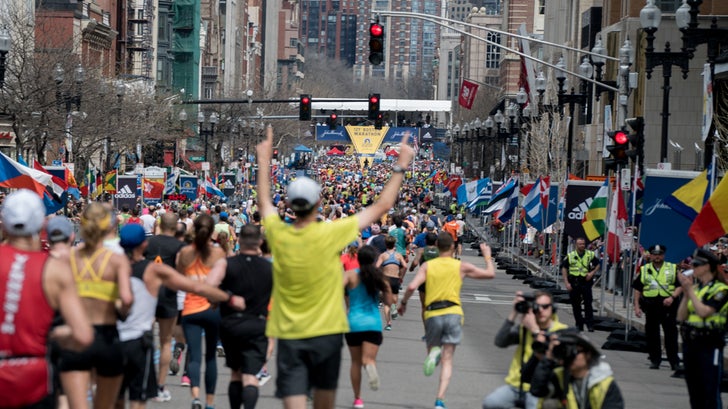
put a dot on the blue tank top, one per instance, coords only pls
(364, 312)
(391, 260)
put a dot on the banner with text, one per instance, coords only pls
(228, 184)
(366, 141)
(126, 187)
(579, 195)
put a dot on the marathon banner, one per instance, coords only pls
(188, 186)
(579, 195)
(366, 141)
(340, 134)
(660, 223)
(126, 187)
(227, 184)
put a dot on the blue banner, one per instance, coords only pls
(394, 135)
(661, 224)
(188, 186)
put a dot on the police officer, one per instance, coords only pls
(655, 295)
(578, 269)
(703, 314)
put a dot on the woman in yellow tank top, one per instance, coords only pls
(195, 261)
(103, 282)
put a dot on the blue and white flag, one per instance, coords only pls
(471, 190)
(170, 185)
(211, 189)
(532, 205)
(510, 205)
(483, 197)
(498, 201)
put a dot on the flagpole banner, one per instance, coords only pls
(188, 186)
(468, 90)
(606, 140)
(228, 184)
(660, 223)
(126, 187)
(579, 195)
(707, 101)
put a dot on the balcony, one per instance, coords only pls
(209, 73)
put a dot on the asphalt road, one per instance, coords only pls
(479, 365)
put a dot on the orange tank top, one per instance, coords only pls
(194, 303)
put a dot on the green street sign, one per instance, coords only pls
(197, 158)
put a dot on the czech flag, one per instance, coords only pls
(15, 175)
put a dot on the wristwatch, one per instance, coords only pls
(397, 169)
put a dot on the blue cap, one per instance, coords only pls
(224, 215)
(132, 235)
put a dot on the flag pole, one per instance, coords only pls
(604, 267)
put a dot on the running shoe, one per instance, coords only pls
(439, 404)
(394, 311)
(371, 371)
(388, 327)
(196, 404)
(176, 361)
(185, 381)
(263, 377)
(220, 351)
(358, 403)
(433, 358)
(163, 395)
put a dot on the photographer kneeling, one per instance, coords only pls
(532, 314)
(573, 375)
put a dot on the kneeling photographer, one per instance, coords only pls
(532, 314)
(573, 376)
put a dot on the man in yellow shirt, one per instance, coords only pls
(307, 314)
(443, 278)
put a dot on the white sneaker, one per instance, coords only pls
(394, 311)
(163, 396)
(371, 371)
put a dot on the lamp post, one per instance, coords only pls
(182, 117)
(5, 44)
(686, 18)
(572, 99)
(456, 134)
(207, 132)
(474, 141)
(69, 98)
(463, 138)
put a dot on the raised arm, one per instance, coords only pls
(473, 271)
(265, 152)
(389, 194)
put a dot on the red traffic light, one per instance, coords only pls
(376, 30)
(332, 116)
(621, 137)
(305, 100)
(373, 99)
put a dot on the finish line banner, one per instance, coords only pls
(366, 140)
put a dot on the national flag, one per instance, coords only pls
(170, 185)
(617, 225)
(544, 191)
(110, 182)
(15, 175)
(211, 189)
(712, 222)
(635, 198)
(452, 185)
(510, 205)
(467, 192)
(501, 195)
(432, 175)
(468, 90)
(690, 197)
(533, 206)
(22, 161)
(57, 186)
(439, 177)
(593, 222)
(152, 189)
(483, 197)
(99, 190)
(73, 189)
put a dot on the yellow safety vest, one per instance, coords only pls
(718, 319)
(514, 371)
(596, 393)
(579, 266)
(658, 283)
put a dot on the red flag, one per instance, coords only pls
(711, 222)
(617, 225)
(467, 94)
(453, 183)
(152, 189)
(545, 187)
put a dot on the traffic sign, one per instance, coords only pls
(57, 163)
(197, 158)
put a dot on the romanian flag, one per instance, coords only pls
(110, 182)
(593, 222)
(712, 222)
(15, 175)
(689, 198)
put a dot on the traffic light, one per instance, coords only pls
(332, 120)
(373, 106)
(275, 153)
(378, 121)
(618, 149)
(376, 43)
(637, 139)
(304, 108)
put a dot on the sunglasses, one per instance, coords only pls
(698, 263)
(537, 307)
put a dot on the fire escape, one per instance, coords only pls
(139, 39)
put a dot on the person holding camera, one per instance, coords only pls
(656, 295)
(532, 314)
(572, 375)
(578, 269)
(703, 313)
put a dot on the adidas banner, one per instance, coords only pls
(126, 191)
(227, 184)
(579, 195)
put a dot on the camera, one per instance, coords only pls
(526, 305)
(566, 350)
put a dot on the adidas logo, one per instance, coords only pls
(125, 193)
(229, 184)
(577, 213)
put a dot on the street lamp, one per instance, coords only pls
(182, 117)
(69, 98)
(572, 99)
(489, 127)
(686, 18)
(207, 132)
(456, 131)
(5, 44)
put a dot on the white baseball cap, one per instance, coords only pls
(23, 213)
(303, 194)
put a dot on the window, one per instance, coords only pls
(668, 6)
(492, 52)
(293, 42)
(541, 7)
